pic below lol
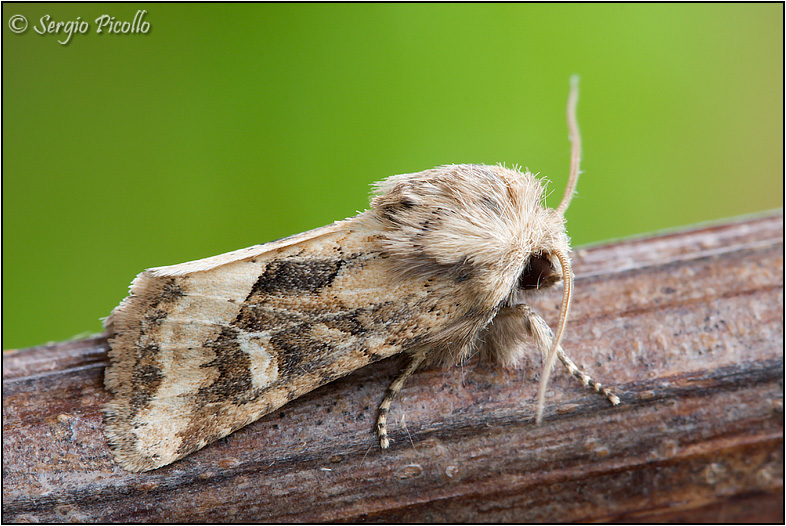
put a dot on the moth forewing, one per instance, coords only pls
(437, 269)
(201, 349)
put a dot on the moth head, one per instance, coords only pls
(542, 268)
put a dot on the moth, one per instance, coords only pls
(439, 268)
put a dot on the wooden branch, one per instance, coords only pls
(687, 327)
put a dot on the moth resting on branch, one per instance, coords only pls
(439, 269)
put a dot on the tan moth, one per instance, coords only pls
(439, 268)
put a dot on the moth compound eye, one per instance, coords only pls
(538, 274)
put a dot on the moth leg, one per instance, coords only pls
(543, 336)
(390, 394)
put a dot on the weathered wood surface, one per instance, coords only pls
(688, 327)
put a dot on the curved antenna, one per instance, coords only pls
(567, 277)
(575, 145)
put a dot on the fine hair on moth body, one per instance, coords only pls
(438, 269)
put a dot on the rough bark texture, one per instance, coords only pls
(687, 327)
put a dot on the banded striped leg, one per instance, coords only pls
(584, 378)
(390, 394)
(543, 336)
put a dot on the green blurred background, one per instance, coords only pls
(230, 125)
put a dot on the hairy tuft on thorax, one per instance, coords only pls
(480, 223)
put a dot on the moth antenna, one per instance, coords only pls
(575, 145)
(567, 293)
